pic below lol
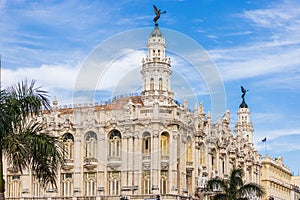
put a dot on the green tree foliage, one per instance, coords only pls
(234, 188)
(23, 138)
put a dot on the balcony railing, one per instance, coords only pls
(164, 158)
(146, 157)
(90, 163)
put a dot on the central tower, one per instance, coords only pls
(156, 72)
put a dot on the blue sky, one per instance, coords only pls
(252, 43)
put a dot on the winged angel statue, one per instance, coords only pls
(157, 13)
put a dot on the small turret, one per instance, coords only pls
(243, 127)
(156, 72)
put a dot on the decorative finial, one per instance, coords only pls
(157, 13)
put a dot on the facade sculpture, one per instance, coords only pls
(143, 146)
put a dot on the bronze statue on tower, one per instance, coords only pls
(157, 13)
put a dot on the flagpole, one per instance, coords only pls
(265, 148)
(265, 141)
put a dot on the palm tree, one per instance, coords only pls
(234, 188)
(23, 137)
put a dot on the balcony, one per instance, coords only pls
(114, 162)
(146, 161)
(69, 164)
(164, 162)
(90, 163)
(189, 166)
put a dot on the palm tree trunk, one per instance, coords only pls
(2, 186)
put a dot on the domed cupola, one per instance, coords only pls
(156, 32)
(243, 104)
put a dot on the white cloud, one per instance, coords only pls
(51, 76)
(279, 15)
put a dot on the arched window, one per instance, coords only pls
(164, 144)
(67, 185)
(147, 183)
(14, 186)
(160, 86)
(90, 184)
(37, 189)
(146, 143)
(68, 145)
(163, 182)
(90, 145)
(152, 84)
(114, 179)
(114, 144)
(189, 150)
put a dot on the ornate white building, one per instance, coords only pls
(142, 146)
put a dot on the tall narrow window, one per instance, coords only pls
(67, 185)
(147, 183)
(152, 84)
(202, 155)
(214, 159)
(163, 182)
(160, 86)
(14, 186)
(68, 145)
(189, 150)
(114, 144)
(90, 184)
(37, 189)
(146, 143)
(91, 145)
(114, 179)
(164, 144)
(223, 166)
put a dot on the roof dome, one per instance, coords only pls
(243, 104)
(156, 32)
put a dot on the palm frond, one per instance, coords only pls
(217, 183)
(251, 188)
(46, 156)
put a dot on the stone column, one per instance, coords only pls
(137, 162)
(124, 162)
(182, 165)
(130, 163)
(173, 185)
(102, 161)
(155, 162)
(78, 164)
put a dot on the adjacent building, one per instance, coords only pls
(147, 145)
(277, 180)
